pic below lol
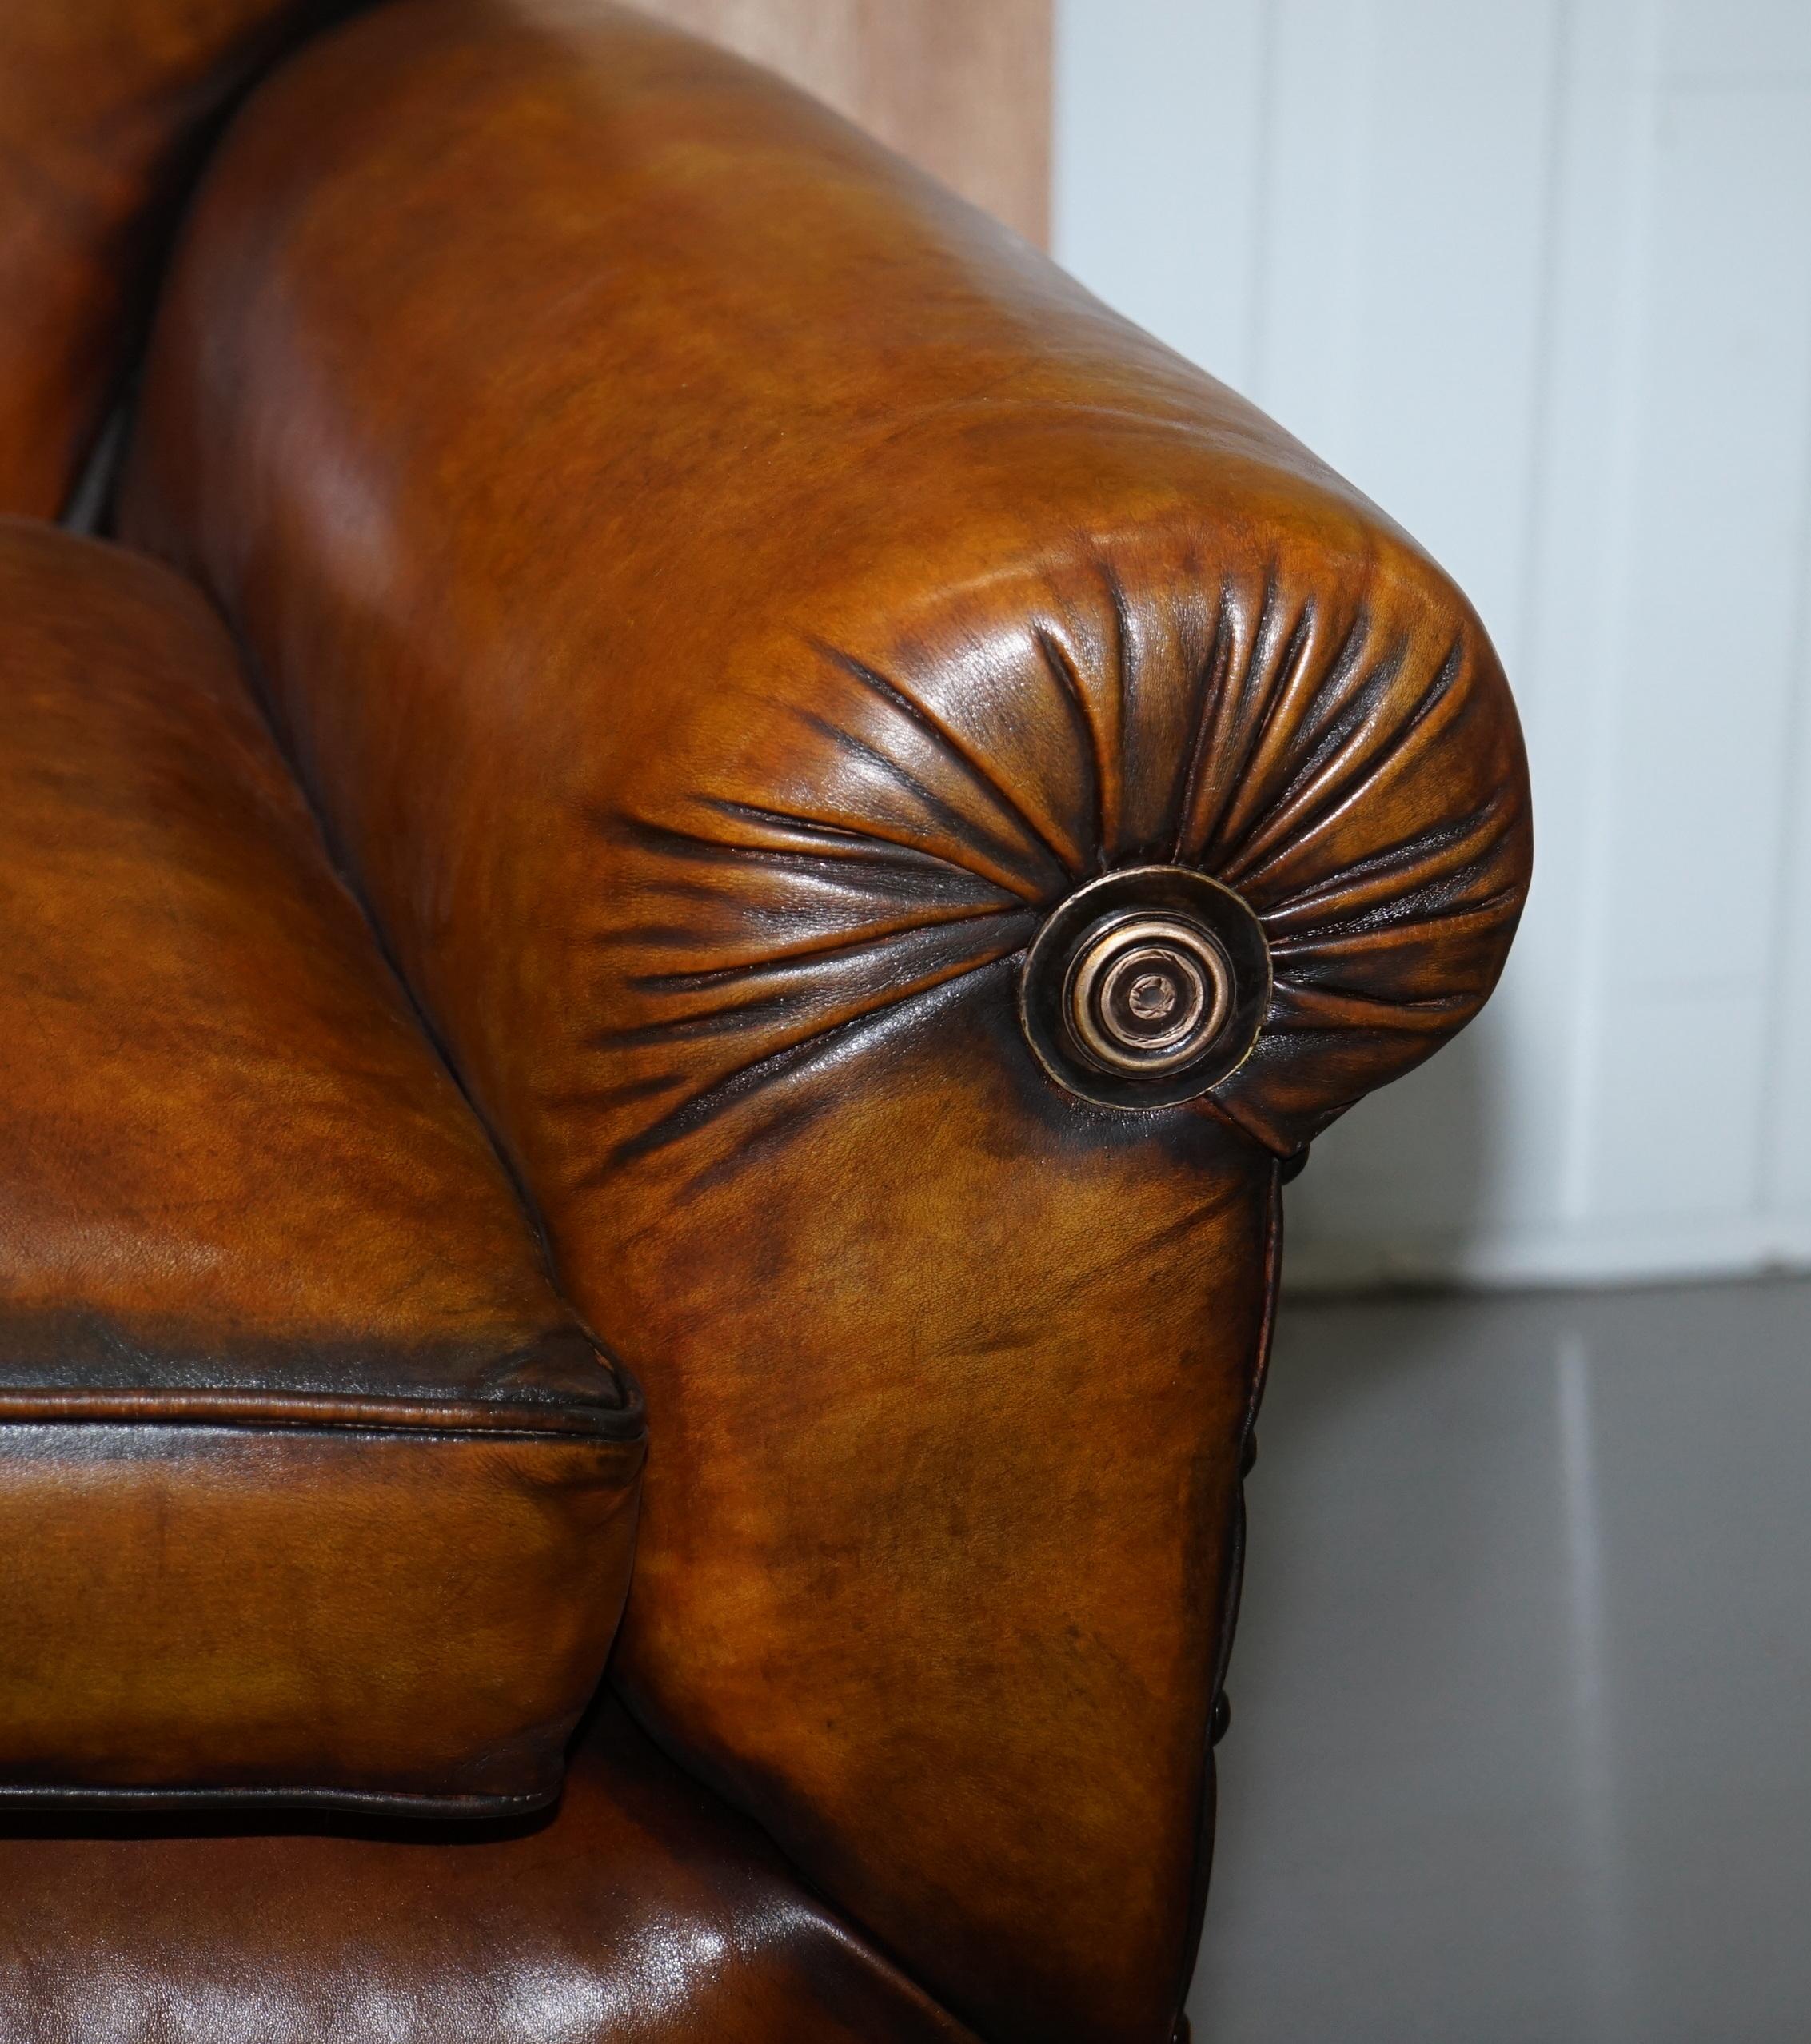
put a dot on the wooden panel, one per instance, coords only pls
(960, 86)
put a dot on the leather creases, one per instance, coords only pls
(1344, 765)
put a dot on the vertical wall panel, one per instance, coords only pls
(1158, 114)
(1736, 42)
(1696, 792)
(1539, 278)
(1316, 172)
(1786, 1134)
(1404, 342)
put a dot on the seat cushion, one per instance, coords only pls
(311, 1486)
(645, 1912)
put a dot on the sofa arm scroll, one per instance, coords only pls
(740, 600)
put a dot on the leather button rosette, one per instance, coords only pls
(1146, 987)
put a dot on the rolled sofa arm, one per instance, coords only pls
(903, 801)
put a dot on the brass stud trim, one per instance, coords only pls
(1146, 987)
(1145, 992)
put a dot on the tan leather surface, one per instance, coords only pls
(724, 594)
(105, 107)
(309, 1481)
(641, 1912)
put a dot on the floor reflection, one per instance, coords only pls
(1520, 1692)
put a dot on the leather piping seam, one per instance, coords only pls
(255, 1413)
(375, 1801)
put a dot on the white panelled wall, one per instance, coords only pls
(1537, 276)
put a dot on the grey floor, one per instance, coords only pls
(1521, 1747)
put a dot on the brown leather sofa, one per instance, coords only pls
(683, 768)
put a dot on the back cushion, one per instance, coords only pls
(106, 106)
